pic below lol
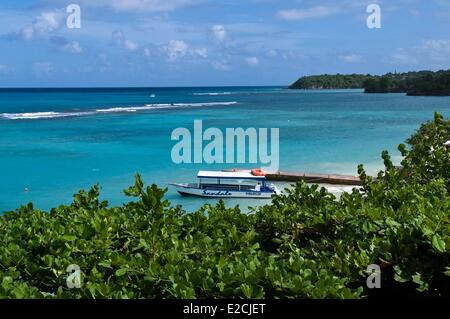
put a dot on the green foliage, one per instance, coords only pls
(412, 83)
(306, 244)
(326, 81)
(429, 157)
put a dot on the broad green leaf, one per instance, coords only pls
(438, 243)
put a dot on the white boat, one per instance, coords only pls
(242, 184)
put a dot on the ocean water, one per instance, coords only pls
(56, 141)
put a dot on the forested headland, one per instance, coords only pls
(422, 83)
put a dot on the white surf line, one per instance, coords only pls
(51, 114)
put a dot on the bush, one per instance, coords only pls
(305, 244)
(428, 157)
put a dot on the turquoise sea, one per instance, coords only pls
(57, 141)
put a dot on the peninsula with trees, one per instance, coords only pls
(421, 83)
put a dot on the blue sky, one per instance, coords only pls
(215, 42)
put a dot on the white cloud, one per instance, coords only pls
(131, 45)
(147, 52)
(27, 33)
(64, 45)
(252, 61)
(352, 58)
(301, 14)
(139, 5)
(152, 51)
(219, 32)
(119, 39)
(221, 65)
(47, 22)
(103, 61)
(201, 52)
(42, 69)
(401, 57)
(437, 50)
(72, 47)
(176, 49)
(149, 5)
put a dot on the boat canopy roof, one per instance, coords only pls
(229, 175)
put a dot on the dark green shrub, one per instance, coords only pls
(305, 244)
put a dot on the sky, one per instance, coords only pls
(155, 43)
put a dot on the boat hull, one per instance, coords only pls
(212, 193)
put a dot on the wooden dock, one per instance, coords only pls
(334, 179)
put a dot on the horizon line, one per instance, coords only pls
(135, 87)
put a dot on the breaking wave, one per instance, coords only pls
(128, 109)
(212, 93)
(41, 115)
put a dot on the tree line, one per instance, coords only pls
(421, 83)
